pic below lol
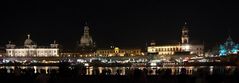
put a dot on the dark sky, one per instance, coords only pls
(130, 23)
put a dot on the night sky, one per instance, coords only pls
(129, 23)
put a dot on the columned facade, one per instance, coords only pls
(32, 50)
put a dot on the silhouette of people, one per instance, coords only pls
(118, 72)
(42, 78)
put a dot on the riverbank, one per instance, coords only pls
(126, 64)
(135, 77)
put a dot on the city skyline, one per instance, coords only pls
(132, 24)
(117, 44)
(119, 41)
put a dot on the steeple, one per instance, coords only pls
(86, 30)
(185, 35)
(229, 38)
(28, 36)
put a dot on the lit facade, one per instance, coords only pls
(118, 52)
(76, 54)
(32, 50)
(172, 49)
(164, 50)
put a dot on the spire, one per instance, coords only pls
(86, 29)
(229, 38)
(185, 35)
(186, 20)
(28, 36)
(54, 42)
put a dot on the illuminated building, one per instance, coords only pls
(86, 47)
(185, 35)
(86, 42)
(172, 49)
(229, 47)
(2, 51)
(118, 52)
(76, 54)
(30, 49)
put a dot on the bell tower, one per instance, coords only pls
(185, 34)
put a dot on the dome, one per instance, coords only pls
(86, 40)
(28, 41)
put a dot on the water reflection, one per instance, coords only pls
(37, 69)
(190, 70)
(153, 70)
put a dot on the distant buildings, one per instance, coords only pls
(178, 48)
(30, 49)
(87, 48)
(86, 41)
(118, 52)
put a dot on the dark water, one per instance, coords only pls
(190, 70)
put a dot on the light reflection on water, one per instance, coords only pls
(125, 70)
(36, 68)
(174, 70)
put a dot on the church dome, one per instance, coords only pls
(28, 41)
(86, 40)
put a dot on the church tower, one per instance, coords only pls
(86, 42)
(29, 43)
(86, 39)
(185, 34)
